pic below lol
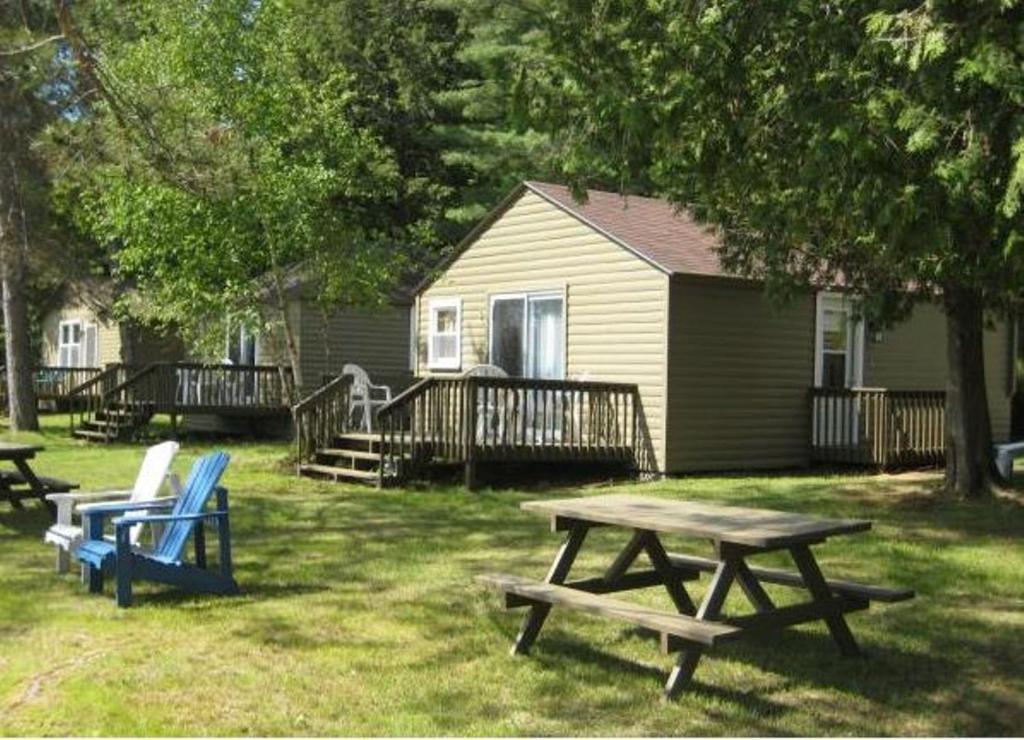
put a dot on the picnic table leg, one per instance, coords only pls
(12, 497)
(709, 609)
(36, 485)
(559, 571)
(624, 560)
(820, 592)
(755, 592)
(673, 584)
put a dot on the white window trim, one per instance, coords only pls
(444, 363)
(856, 336)
(62, 345)
(526, 297)
(414, 334)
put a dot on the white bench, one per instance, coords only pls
(1005, 455)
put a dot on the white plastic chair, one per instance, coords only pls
(489, 413)
(66, 534)
(361, 395)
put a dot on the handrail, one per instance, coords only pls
(320, 417)
(93, 401)
(400, 399)
(319, 393)
(131, 380)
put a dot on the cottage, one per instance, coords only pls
(628, 290)
(80, 336)
(328, 338)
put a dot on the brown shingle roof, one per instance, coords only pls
(650, 227)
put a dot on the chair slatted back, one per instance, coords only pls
(151, 478)
(360, 380)
(202, 481)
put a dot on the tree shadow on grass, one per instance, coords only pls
(32, 520)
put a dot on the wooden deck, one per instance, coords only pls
(470, 421)
(877, 427)
(122, 398)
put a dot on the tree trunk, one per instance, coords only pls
(970, 468)
(290, 343)
(21, 396)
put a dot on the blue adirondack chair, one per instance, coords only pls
(166, 563)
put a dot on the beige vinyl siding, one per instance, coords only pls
(738, 376)
(912, 356)
(376, 340)
(109, 336)
(616, 303)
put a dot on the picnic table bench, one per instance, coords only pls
(23, 482)
(736, 533)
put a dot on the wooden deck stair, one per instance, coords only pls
(115, 423)
(351, 456)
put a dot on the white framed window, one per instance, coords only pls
(527, 334)
(838, 343)
(444, 341)
(69, 343)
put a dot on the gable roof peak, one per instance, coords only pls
(652, 228)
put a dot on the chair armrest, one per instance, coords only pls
(86, 496)
(128, 521)
(116, 507)
(385, 388)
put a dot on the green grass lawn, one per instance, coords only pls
(360, 615)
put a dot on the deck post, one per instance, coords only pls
(469, 433)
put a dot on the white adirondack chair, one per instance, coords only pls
(490, 416)
(361, 395)
(66, 534)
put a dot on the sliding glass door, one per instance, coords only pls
(528, 335)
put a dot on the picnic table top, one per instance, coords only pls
(762, 528)
(18, 451)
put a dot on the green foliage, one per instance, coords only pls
(485, 135)
(881, 142)
(235, 162)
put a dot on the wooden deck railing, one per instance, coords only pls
(470, 420)
(877, 426)
(53, 382)
(185, 388)
(321, 417)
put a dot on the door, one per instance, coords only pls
(528, 341)
(838, 366)
(527, 338)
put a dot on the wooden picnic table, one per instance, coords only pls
(735, 534)
(22, 482)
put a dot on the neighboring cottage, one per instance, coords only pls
(376, 338)
(79, 331)
(628, 290)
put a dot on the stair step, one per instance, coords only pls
(360, 436)
(336, 473)
(342, 452)
(91, 434)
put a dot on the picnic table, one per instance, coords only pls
(22, 482)
(735, 534)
